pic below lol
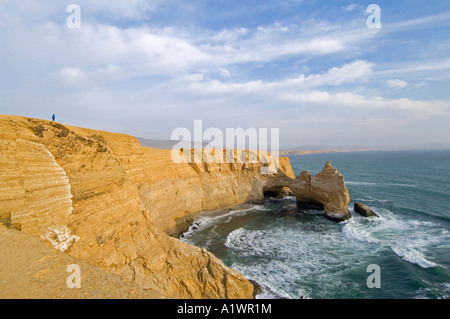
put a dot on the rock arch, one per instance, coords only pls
(325, 190)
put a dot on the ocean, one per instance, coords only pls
(299, 254)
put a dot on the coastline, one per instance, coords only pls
(316, 152)
(121, 200)
(120, 204)
(408, 239)
(184, 223)
(259, 288)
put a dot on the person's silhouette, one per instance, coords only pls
(53, 117)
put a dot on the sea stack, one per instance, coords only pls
(329, 187)
(364, 210)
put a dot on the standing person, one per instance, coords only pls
(53, 117)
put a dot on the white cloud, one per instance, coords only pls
(131, 9)
(310, 91)
(229, 35)
(224, 72)
(439, 19)
(415, 109)
(350, 7)
(31, 11)
(141, 50)
(397, 84)
(348, 73)
(166, 75)
(135, 51)
(71, 75)
(417, 66)
(78, 76)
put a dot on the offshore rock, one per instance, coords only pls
(364, 210)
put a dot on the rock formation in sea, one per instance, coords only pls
(110, 203)
(364, 210)
(326, 190)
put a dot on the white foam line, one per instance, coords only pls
(206, 221)
(413, 256)
(270, 292)
(361, 183)
(398, 236)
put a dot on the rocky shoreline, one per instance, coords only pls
(124, 202)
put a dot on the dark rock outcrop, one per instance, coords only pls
(364, 210)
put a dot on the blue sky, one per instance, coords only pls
(311, 68)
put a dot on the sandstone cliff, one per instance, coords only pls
(111, 203)
(120, 200)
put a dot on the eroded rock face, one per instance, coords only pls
(122, 201)
(364, 210)
(34, 189)
(326, 190)
(328, 187)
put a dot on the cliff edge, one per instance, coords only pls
(108, 202)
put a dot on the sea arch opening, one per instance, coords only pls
(277, 191)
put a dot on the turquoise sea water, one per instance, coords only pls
(295, 253)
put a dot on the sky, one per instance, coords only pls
(311, 68)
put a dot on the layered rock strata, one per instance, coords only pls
(109, 202)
